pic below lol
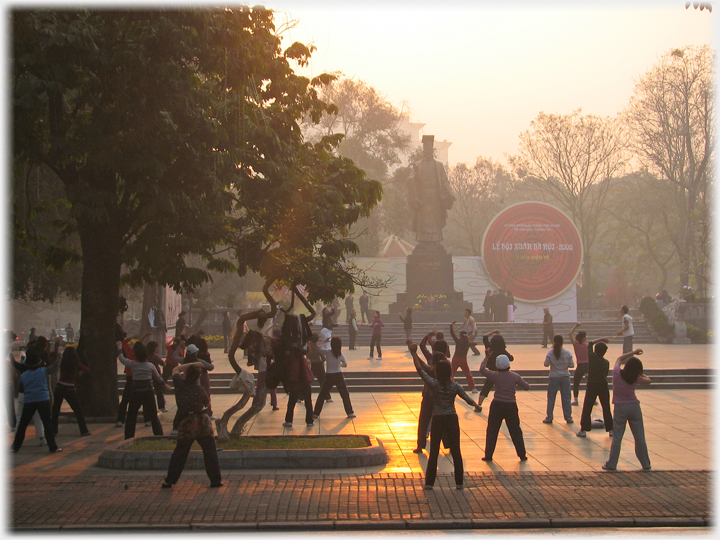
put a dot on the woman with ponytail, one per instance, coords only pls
(559, 360)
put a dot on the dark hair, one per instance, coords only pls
(557, 345)
(202, 345)
(152, 347)
(70, 357)
(408, 310)
(141, 352)
(624, 308)
(443, 370)
(41, 343)
(601, 348)
(438, 356)
(468, 311)
(192, 374)
(632, 370)
(439, 335)
(497, 343)
(442, 346)
(581, 335)
(377, 312)
(32, 358)
(336, 346)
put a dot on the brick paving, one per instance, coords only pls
(381, 501)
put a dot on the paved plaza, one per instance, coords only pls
(561, 484)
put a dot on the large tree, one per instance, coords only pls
(671, 117)
(572, 157)
(177, 133)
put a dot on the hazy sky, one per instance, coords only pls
(478, 73)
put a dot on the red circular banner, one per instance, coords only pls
(534, 250)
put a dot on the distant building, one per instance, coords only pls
(414, 130)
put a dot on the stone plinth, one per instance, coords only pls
(430, 273)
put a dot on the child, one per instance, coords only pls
(503, 406)
(334, 377)
(627, 408)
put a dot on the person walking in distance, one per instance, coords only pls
(470, 326)
(445, 425)
(503, 406)
(377, 326)
(597, 387)
(559, 360)
(364, 307)
(349, 306)
(548, 329)
(627, 408)
(227, 328)
(626, 331)
(334, 377)
(352, 329)
(459, 359)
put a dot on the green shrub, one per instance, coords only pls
(656, 317)
(697, 335)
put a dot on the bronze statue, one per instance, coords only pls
(430, 195)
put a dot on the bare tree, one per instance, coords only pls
(572, 157)
(671, 117)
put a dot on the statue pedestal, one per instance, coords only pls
(430, 287)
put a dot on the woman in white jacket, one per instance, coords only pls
(334, 377)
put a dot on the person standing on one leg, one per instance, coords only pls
(195, 425)
(445, 425)
(548, 329)
(560, 361)
(597, 387)
(504, 406)
(627, 408)
(334, 377)
(377, 326)
(459, 359)
(626, 331)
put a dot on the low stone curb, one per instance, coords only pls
(118, 457)
(386, 525)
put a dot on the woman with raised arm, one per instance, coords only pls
(627, 408)
(445, 425)
(459, 359)
(496, 343)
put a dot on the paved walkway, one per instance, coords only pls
(561, 484)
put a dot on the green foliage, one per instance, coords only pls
(697, 335)
(656, 317)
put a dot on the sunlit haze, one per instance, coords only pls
(478, 74)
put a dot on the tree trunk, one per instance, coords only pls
(98, 316)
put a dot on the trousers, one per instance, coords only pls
(28, 411)
(333, 379)
(562, 384)
(67, 393)
(628, 413)
(446, 429)
(306, 394)
(144, 396)
(180, 455)
(458, 362)
(499, 411)
(600, 391)
(580, 371)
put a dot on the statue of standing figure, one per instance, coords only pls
(430, 195)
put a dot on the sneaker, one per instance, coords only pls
(575, 402)
(42, 441)
(276, 408)
(165, 485)
(310, 424)
(86, 434)
(287, 424)
(328, 400)
(524, 458)
(581, 433)
(58, 449)
(427, 486)
(217, 485)
(418, 450)
(458, 486)
(371, 358)
(605, 467)
(570, 420)
(547, 420)
(316, 415)
(212, 418)
(610, 434)
(163, 410)
(119, 424)
(379, 357)
(646, 468)
(485, 458)
(352, 415)
(474, 390)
